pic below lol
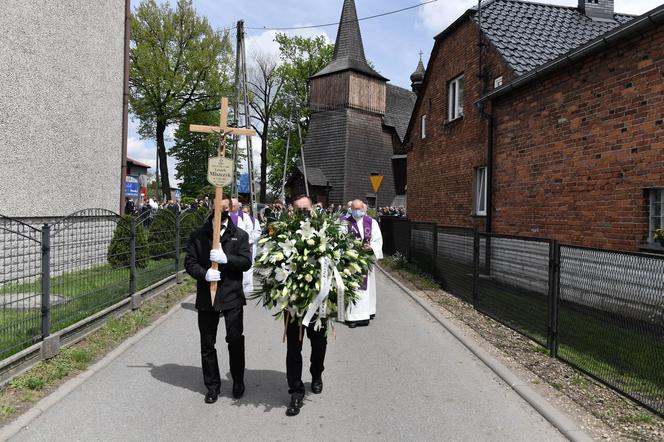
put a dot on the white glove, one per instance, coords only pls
(218, 256)
(213, 275)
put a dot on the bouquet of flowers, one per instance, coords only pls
(310, 265)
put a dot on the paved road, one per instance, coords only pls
(402, 378)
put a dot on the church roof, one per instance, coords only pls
(315, 176)
(418, 75)
(348, 49)
(400, 104)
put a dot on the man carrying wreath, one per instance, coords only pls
(294, 337)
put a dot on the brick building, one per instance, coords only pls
(551, 127)
(357, 125)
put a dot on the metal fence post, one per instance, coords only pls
(554, 296)
(46, 282)
(177, 249)
(132, 256)
(435, 253)
(476, 265)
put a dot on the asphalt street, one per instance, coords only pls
(402, 378)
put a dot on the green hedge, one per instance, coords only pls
(119, 252)
(161, 235)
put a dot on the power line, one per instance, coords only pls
(267, 28)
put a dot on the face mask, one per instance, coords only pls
(224, 215)
(358, 213)
(349, 210)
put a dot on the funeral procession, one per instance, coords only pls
(334, 220)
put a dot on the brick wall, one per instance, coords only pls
(575, 150)
(440, 167)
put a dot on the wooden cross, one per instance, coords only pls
(223, 130)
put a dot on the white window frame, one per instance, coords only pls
(424, 126)
(480, 190)
(655, 217)
(455, 94)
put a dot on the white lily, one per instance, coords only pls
(288, 247)
(306, 231)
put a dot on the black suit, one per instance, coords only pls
(294, 354)
(229, 301)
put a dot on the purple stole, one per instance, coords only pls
(367, 223)
(234, 216)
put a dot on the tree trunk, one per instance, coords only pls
(163, 161)
(263, 197)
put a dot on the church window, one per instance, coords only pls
(424, 126)
(455, 98)
(480, 193)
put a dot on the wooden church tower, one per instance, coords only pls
(347, 141)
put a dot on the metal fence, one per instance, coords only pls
(60, 273)
(598, 310)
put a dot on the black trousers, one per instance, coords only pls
(208, 323)
(294, 355)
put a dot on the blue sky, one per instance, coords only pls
(392, 43)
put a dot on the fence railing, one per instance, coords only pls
(62, 272)
(600, 311)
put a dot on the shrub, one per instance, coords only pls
(119, 253)
(161, 235)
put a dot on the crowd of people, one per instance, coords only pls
(392, 211)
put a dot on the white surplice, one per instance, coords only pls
(254, 231)
(366, 303)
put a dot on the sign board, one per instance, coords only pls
(376, 181)
(178, 194)
(243, 184)
(220, 171)
(131, 186)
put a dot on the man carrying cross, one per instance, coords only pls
(217, 256)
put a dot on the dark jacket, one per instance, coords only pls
(235, 243)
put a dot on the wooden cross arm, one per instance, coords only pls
(216, 130)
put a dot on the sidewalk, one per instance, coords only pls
(402, 378)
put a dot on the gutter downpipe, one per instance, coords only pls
(489, 118)
(125, 104)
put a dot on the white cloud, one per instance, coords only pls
(435, 17)
(265, 44)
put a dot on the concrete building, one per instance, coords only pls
(61, 106)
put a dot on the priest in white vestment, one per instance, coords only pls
(366, 229)
(253, 228)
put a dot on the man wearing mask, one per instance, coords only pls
(318, 341)
(364, 228)
(234, 258)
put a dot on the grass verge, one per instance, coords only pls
(25, 390)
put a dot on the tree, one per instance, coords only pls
(192, 150)
(177, 63)
(265, 86)
(301, 58)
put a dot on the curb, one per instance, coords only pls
(555, 417)
(13, 428)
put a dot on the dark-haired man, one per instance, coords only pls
(234, 258)
(318, 341)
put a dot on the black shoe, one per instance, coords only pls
(363, 323)
(351, 324)
(211, 396)
(372, 316)
(317, 386)
(238, 389)
(295, 405)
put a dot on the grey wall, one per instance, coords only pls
(60, 106)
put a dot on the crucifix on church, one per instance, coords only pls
(220, 174)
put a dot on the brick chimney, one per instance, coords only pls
(597, 9)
